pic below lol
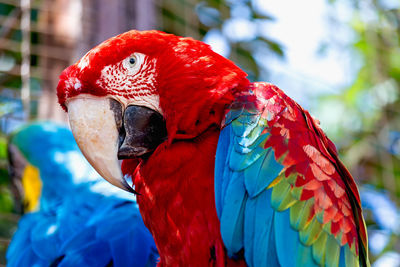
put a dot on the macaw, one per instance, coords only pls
(80, 219)
(226, 172)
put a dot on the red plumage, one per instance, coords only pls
(177, 203)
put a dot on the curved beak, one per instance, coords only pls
(106, 132)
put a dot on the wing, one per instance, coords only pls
(282, 195)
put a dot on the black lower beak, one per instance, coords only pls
(141, 130)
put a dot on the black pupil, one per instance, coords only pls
(132, 60)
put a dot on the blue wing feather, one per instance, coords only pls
(263, 220)
(288, 243)
(233, 214)
(245, 168)
(239, 161)
(223, 150)
(260, 174)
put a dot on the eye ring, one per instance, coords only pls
(133, 62)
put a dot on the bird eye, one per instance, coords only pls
(133, 62)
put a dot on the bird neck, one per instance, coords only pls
(177, 201)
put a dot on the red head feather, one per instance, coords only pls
(193, 83)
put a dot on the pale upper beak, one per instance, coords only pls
(106, 131)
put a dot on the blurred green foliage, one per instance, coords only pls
(198, 18)
(8, 220)
(369, 110)
(6, 202)
(364, 119)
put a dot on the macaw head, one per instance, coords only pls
(45, 164)
(139, 89)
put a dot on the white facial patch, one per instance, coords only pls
(132, 81)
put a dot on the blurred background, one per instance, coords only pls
(340, 59)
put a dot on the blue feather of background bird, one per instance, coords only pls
(82, 220)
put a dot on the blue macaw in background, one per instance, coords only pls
(80, 219)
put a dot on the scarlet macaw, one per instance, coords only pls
(81, 219)
(230, 172)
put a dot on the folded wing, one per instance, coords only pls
(282, 195)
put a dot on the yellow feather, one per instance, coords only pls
(32, 187)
